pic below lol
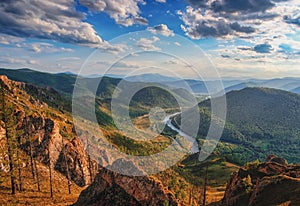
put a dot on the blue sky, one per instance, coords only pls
(243, 38)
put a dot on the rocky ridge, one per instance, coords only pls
(273, 182)
(111, 188)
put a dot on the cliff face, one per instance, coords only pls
(44, 126)
(110, 188)
(46, 138)
(273, 182)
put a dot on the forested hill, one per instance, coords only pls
(260, 121)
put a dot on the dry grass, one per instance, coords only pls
(215, 194)
(31, 196)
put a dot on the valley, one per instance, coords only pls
(43, 113)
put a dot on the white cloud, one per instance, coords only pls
(39, 47)
(227, 18)
(161, 29)
(70, 58)
(8, 39)
(200, 23)
(32, 61)
(55, 20)
(114, 49)
(148, 44)
(161, 1)
(125, 12)
(17, 62)
(126, 64)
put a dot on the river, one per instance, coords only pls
(167, 121)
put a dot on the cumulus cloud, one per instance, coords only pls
(125, 12)
(220, 18)
(199, 24)
(161, 29)
(234, 5)
(148, 44)
(55, 20)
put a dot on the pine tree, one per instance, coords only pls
(7, 111)
(66, 165)
(19, 171)
(204, 186)
(50, 173)
(89, 161)
(37, 175)
(28, 133)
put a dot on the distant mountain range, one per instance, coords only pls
(64, 81)
(195, 86)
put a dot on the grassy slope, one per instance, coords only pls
(31, 196)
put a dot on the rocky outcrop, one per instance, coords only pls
(111, 188)
(46, 139)
(44, 131)
(81, 171)
(273, 182)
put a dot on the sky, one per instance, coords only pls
(241, 38)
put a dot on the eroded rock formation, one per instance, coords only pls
(272, 182)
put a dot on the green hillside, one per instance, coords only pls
(259, 121)
(60, 82)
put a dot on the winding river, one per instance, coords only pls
(167, 121)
